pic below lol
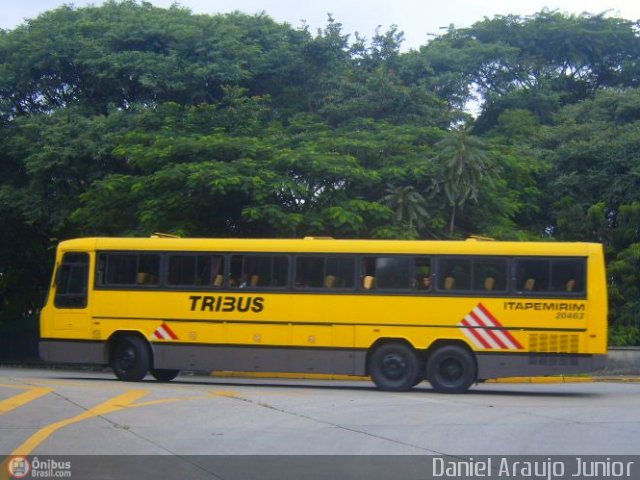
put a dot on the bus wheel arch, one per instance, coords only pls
(394, 364)
(130, 355)
(451, 366)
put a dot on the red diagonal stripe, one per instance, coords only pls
(513, 339)
(157, 335)
(476, 335)
(502, 329)
(493, 336)
(489, 315)
(169, 331)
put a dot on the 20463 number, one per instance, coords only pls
(569, 315)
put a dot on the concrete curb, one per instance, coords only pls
(320, 376)
(563, 379)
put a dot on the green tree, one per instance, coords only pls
(539, 62)
(463, 166)
(409, 207)
(125, 52)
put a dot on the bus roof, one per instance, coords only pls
(325, 245)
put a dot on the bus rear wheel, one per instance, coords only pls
(163, 374)
(130, 359)
(451, 369)
(394, 367)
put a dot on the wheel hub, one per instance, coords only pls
(394, 366)
(126, 358)
(451, 370)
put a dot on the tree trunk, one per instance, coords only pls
(452, 220)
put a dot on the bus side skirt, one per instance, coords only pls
(501, 365)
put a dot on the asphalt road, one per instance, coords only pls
(62, 412)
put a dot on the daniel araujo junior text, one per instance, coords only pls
(547, 468)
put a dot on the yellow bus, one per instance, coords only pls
(451, 312)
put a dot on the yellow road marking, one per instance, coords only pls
(16, 401)
(224, 393)
(113, 405)
(216, 393)
(126, 400)
(67, 383)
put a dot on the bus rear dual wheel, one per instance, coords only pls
(451, 369)
(131, 361)
(397, 367)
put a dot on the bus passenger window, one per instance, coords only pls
(368, 273)
(342, 270)
(454, 274)
(131, 269)
(422, 274)
(195, 270)
(309, 272)
(280, 274)
(259, 271)
(532, 275)
(325, 272)
(388, 273)
(148, 269)
(490, 274)
(217, 280)
(568, 275)
(121, 269)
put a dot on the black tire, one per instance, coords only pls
(394, 367)
(130, 359)
(163, 374)
(451, 369)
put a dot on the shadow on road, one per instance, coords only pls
(504, 390)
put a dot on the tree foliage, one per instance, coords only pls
(540, 62)
(463, 166)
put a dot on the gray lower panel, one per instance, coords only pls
(496, 365)
(251, 359)
(218, 357)
(80, 352)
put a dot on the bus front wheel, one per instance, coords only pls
(451, 369)
(394, 367)
(130, 359)
(163, 374)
